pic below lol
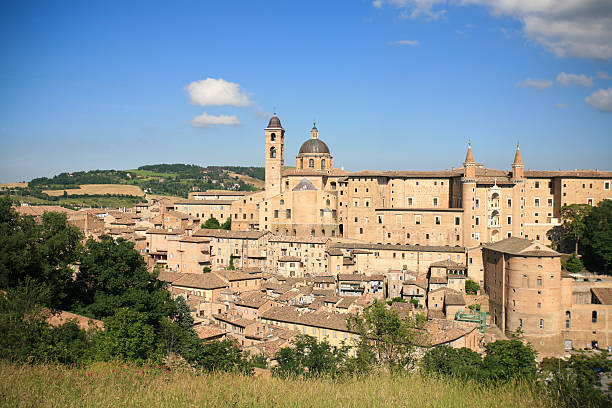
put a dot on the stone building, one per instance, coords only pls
(555, 311)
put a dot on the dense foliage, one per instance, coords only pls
(45, 267)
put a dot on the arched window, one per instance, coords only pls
(282, 202)
(301, 163)
(328, 203)
(568, 320)
(273, 152)
(323, 164)
(594, 316)
(311, 163)
(273, 137)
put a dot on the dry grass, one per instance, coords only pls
(257, 183)
(99, 189)
(13, 185)
(114, 385)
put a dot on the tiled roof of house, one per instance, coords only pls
(252, 299)
(220, 233)
(522, 247)
(441, 331)
(320, 319)
(448, 264)
(417, 248)
(200, 281)
(296, 239)
(604, 295)
(167, 276)
(206, 332)
(454, 298)
(289, 259)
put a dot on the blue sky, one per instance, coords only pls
(392, 84)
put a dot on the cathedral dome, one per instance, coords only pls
(314, 146)
(275, 122)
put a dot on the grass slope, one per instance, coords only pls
(115, 385)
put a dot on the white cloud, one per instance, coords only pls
(412, 43)
(211, 91)
(573, 79)
(414, 8)
(603, 75)
(539, 84)
(562, 105)
(579, 28)
(601, 100)
(206, 120)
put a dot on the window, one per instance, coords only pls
(273, 152)
(437, 220)
(590, 201)
(273, 137)
(417, 219)
(537, 184)
(568, 320)
(607, 185)
(323, 164)
(288, 213)
(539, 281)
(457, 221)
(477, 220)
(594, 316)
(311, 163)
(541, 323)
(478, 203)
(539, 305)
(509, 220)
(435, 201)
(409, 201)
(550, 202)
(509, 203)
(275, 213)
(537, 202)
(520, 322)
(361, 230)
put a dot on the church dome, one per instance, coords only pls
(314, 146)
(275, 122)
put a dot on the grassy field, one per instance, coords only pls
(81, 202)
(99, 189)
(114, 385)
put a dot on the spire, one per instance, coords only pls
(517, 156)
(314, 133)
(469, 157)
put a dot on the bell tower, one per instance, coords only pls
(275, 156)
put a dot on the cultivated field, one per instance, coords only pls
(13, 185)
(99, 189)
(257, 183)
(116, 385)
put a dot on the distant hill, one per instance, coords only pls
(70, 189)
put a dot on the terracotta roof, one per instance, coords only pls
(252, 299)
(435, 314)
(234, 320)
(334, 172)
(219, 233)
(163, 231)
(203, 202)
(448, 264)
(324, 279)
(421, 283)
(346, 302)
(454, 298)
(289, 259)
(167, 276)
(200, 281)
(303, 239)
(568, 174)
(522, 247)
(441, 331)
(517, 156)
(321, 319)
(221, 192)
(237, 275)
(195, 240)
(206, 332)
(604, 295)
(438, 279)
(352, 277)
(391, 247)
(83, 322)
(304, 185)
(404, 174)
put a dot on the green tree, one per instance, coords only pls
(211, 223)
(206, 269)
(183, 314)
(44, 252)
(576, 382)
(127, 335)
(597, 237)
(385, 337)
(471, 287)
(231, 266)
(462, 363)
(113, 275)
(573, 264)
(309, 357)
(508, 359)
(573, 221)
(227, 225)
(224, 355)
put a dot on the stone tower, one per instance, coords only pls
(518, 178)
(275, 156)
(468, 192)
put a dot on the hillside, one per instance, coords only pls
(123, 188)
(114, 385)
